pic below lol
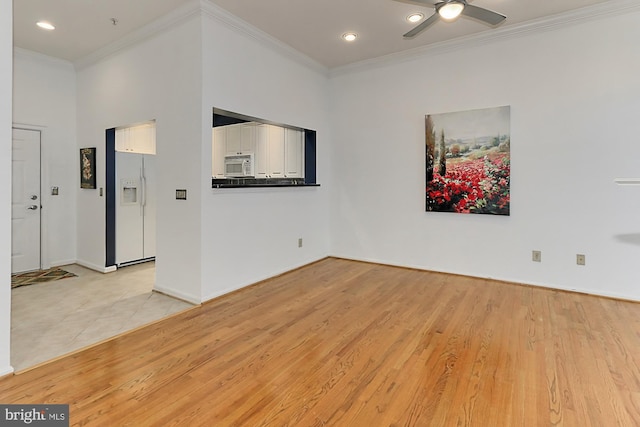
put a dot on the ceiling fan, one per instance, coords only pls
(449, 10)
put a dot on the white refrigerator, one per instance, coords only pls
(135, 208)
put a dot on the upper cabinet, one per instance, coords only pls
(137, 139)
(240, 138)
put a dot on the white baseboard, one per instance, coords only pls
(217, 294)
(6, 371)
(62, 262)
(514, 281)
(97, 268)
(177, 294)
(273, 274)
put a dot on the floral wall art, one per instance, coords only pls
(468, 161)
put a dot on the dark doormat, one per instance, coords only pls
(40, 276)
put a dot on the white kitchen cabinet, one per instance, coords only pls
(137, 139)
(240, 138)
(219, 149)
(143, 139)
(276, 152)
(122, 140)
(261, 154)
(293, 143)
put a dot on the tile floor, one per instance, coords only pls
(51, 319)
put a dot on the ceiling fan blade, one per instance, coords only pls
(430, 3)
(422, 26)
(484, 15)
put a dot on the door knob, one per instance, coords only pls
(34, 197)
(33, 207)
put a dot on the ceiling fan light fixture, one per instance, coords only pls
(415, 17)
(451, 10)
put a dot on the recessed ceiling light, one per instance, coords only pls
(45, 25)
(349, 36)
(415, 17)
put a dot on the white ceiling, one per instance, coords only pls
(312, 27)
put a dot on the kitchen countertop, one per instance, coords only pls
(262, 185)
(260, 182)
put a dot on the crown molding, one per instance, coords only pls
(30, 55)
(170, 20)
(231, 21)
(536, 26)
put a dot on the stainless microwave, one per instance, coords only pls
(238, 165)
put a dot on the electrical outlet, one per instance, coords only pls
(300, 242)
(536, 256)
(580, 259)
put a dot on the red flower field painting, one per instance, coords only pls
(468, 166)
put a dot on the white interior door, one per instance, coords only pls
(25, 201)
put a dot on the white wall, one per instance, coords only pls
(159, 78)
(44, 98)
(252, 234)
(6, 60)
(574, 94)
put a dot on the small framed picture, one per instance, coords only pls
(88, 168)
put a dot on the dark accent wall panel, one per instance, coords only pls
(110, 190)
(310, 157)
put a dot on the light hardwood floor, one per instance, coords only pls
(343, 343)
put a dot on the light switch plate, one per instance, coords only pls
(54, 191)
(181, 194)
